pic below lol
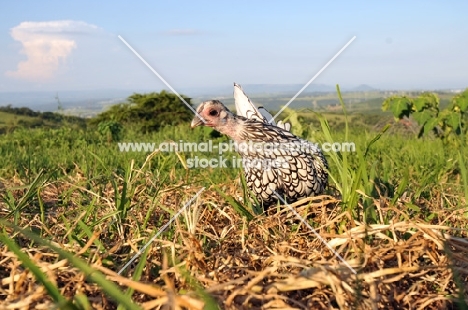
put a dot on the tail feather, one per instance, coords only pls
(245, 108)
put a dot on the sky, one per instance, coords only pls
(74, 45)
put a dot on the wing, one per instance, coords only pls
(245, 108)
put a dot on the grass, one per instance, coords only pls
(8, 118)
(75, 210)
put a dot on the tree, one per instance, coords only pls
(148, 112)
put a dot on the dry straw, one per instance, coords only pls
(272, 262)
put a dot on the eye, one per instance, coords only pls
(213, 113)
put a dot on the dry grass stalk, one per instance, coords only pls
(272, 262)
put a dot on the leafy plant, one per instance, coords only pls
(111, 130)
(447, 124)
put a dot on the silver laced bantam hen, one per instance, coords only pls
(275, 161)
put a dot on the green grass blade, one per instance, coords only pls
(137, 274)
(210, 302)
(464, 174)
(24, 201)
(82, 301)
(41, 277)
(235, 204)
(109, 287)
(376, 138)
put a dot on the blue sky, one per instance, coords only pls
(64, 45)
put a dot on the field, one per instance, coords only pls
(75, 210)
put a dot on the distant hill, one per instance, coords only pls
(94, 101)
(47, 100)
(285, 88)
(90, 103)
(363, 87)
(12, 118)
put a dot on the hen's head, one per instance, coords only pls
(214, 114)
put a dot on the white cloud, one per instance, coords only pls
(47, 45)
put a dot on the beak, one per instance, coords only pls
(196, 122)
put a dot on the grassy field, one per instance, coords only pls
(75, 210)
